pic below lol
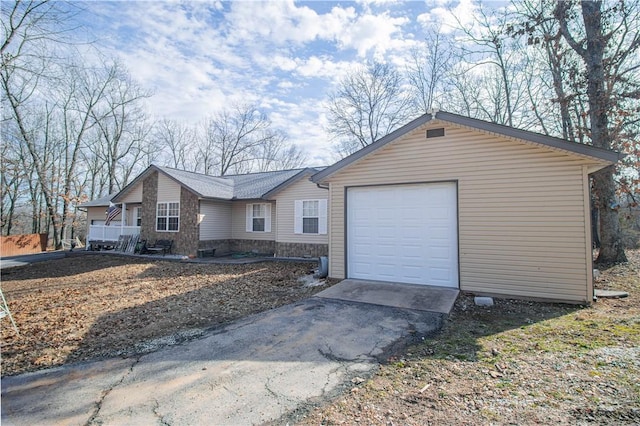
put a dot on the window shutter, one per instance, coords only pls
(267, 217)
(297, 219)
(249, 225)
(322, 217)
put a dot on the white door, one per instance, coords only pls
(403, 233)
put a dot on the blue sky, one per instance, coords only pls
(199, 56)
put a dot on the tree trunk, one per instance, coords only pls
(593, 56)
(611, 247)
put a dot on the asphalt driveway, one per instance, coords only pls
(25, 259)
(270, 367)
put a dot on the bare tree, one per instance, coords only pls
(12, 179)
(121, 124)
(496, 61)
(555, 73)
(277, 154)
(369, 103)
(30, 24)
(175, 140)
(607, 41)
(28, 64)
(234, 137)
(429, 70)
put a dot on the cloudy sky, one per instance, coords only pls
(199, 56)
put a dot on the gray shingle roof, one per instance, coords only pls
(255, 185)
(231, 187)
(203, 185)
(99, 202)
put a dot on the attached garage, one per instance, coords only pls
(457, 202)
(403, 233)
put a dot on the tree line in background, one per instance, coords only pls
(562, 68)
(73, 131)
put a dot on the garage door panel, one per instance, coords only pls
(364, 233)
(363, 268)
(386, 214)
(383, 254)
(387, 232)
(409, 271)
(440, 274)
(439, 253)
(439, 232)
(361, 251)
(403, 233)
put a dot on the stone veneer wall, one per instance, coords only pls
(149, 201)
(186, 240)
(222, 246)
(254, 246)
(301, 250)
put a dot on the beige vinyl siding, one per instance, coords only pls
(134, 195)
(97, 213)
(131, 214)
(285, 205)
(521, 209)
(215, 220)
(239, 222)
(168, 189)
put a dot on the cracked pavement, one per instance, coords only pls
(268, 368)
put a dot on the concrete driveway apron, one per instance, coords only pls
(273, 366)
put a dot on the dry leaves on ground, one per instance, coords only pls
(97, 305)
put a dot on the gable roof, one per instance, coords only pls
(204, 186)
(310, 171)
(602, 155)
(229, 187)
(256, 185)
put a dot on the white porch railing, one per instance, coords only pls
(110, 233)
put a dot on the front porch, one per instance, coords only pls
(108, 236)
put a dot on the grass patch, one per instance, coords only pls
(516, 362)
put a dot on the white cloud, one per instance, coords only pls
(449, 18)
(287, 85)
(201, 56)
(282, 22)
(318, 67)
(371, 33)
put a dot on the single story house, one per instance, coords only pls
(445, 200)
(280, 212)
(458, 202)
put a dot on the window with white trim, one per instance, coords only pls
(168, 217)
(310, 217)
(138, 215)
(258, 217)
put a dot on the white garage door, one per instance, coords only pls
(403, 233)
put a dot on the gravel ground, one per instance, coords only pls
(98, 305)
(517, 362)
